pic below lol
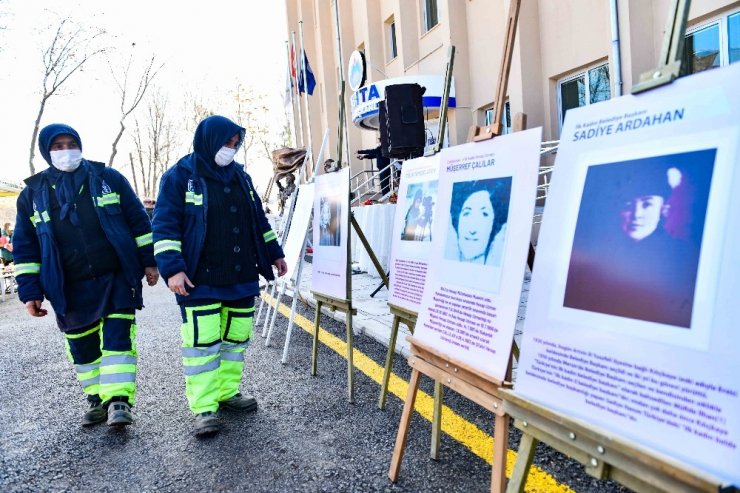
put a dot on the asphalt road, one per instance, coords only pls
(305, 436)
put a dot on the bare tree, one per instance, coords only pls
(155, 142)
(195, 111)
(70, 48)
(251, 113)
(129, 101)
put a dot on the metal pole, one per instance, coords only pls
(340, 59)
(292, 99)
(298, 94)
(309, 146)
(616, 50)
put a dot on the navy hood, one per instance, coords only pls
(211, 135)
(51, 132)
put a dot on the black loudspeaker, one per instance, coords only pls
(405, 120)
(383, 119)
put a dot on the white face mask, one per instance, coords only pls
(225, 156)
(67, 159)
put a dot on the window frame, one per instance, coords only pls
(505, 117)
(585, 75)
(391, 39)
(425, 16)
(723, 22)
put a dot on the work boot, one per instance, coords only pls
(206, 424)
(240, 402)
(119, 414)
(96, 414)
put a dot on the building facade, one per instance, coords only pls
(566, 55)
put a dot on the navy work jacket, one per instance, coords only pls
(180, 226)
(124, 220)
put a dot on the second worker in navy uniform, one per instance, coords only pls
(83, 241)
(212, 240)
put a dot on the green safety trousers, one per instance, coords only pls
(104, 355)
(214, 336)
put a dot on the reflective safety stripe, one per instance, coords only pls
(196, 370)
(251, 195)
(27, 268)
(89, 381)
(144, 240)
(87, 368)
(118, 359)
(235, 356)
(269, 236)
(231, 346)
(108, 378)
(192, 198)
(38, 217)
(87, 332)
(194, 352)
(165, 245)
(125, 316)
(108, 199)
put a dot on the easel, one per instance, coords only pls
(603, 455)
(478, 387)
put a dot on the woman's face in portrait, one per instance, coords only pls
(474, 226)
(325, 214)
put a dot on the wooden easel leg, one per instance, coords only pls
(527, 448)
(315, 352)
(388, 362)
(403, 427)
(437, 419)
(350, 364)
(500, 447)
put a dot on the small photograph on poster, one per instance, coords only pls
(417, 224)
(479, 211)
(329, 221)
(638, 237)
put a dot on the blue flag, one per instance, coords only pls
(311, 80)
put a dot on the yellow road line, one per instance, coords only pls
(469, 435)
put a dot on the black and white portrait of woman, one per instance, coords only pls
(479, 211)
(417, 224)
(329, 227)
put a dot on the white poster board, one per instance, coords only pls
(632, 319)
(412, 231)
(330, 235)
(480, 242)
(298, 228)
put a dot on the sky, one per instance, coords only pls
(207, 49)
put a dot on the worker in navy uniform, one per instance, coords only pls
(211, 241)
(83, 241)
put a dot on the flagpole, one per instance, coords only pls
(298, 94)
(293, 125)
(342, 84)
(309, 147)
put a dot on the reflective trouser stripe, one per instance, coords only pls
(236, 330)
(213, 341)
(201, 346)
(118, 368)
(88, 374)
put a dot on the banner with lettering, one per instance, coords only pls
(330, 234)
(632, 317)
(480, 239)
(412, 231)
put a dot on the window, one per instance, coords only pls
(712, 45)
(391, 51)
(591, 86)
(430, 13)
(505, 118)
